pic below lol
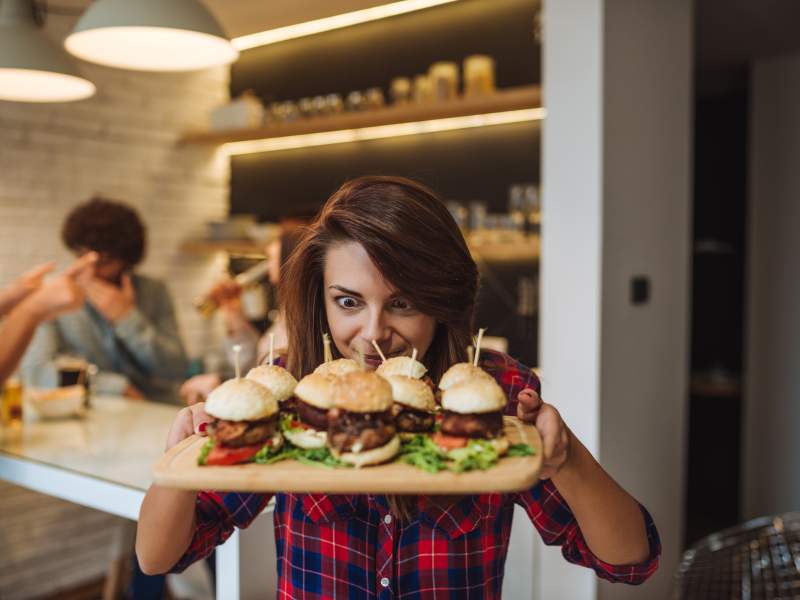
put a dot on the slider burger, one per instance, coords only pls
(340, 366)
(278, 381)
(473, 409)
(312, 401)
(245, 420)
(414, 405)
(361, 430)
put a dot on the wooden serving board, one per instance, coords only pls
(178, 468)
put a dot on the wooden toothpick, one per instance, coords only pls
(271, 346)
(411, 364)
(236, 350)
(326, 343)
(361, 360)
(478, 346)
(470, 354)
(378, 348)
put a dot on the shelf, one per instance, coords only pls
(502, 248)
(503, 101)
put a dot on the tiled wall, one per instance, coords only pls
(121, 143)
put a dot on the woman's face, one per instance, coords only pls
(362, 306)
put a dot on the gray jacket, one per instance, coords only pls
(143, 349)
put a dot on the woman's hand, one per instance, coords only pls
(196, 389)
(226, 293)
(555, 434)
(191, 420)
(113, 302)
(63, 293)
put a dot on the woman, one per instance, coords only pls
(385, 261)
(239, 331)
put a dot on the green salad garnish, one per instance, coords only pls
(207, 447)
(320, 457)
(421, 452)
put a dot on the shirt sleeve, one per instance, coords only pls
(155, 340)
(556, 524)
(512, 375)
(216, 514)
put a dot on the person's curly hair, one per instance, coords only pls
(108, 227)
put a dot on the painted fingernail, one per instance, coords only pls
(202, 427)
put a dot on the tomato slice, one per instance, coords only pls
(222, 455)
(448, 442)
(299, 425)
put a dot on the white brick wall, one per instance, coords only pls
(122, 144)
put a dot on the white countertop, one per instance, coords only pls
(117, 441)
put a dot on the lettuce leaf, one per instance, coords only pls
(421, 452)
(477, 454)
(521, 450)
(204, 451)
(319, 457)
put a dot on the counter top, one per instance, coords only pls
(117, 441)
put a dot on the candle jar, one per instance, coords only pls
(479, 75)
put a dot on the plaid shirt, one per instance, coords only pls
(334, 546)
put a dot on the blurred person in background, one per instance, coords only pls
(29, 300)
(238, 329)
(127, 326)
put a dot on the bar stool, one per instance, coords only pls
(758, 560)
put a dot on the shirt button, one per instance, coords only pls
(384, 582)
(387, 519)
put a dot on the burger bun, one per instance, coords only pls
(338, 367)
(461, 372)
(412, 393)
(376, 456)
(402, 365)
(362, 392)
(317, 390)
(276, 379)
(476, 396)
(241, 400)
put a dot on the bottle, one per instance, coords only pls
(11, 403)
(206, 305)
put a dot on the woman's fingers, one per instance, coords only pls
(528, 405)
(200, 418)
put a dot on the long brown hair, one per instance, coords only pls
(413, 241)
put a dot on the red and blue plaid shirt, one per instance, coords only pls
(334, 546)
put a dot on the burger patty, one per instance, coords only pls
(311, 415)
(236, 434)
(486, 425)
(289, 405)
(370, 430)
(411, 420)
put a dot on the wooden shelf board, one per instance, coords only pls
(516, 98)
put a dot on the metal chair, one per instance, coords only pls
(758, 560)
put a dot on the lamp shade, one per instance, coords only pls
(151, 35)
(32, 68)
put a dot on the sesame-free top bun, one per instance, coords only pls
(340, 366)
(276, 379)
(316, 390)
(475, 396)
(413, 393)
(402, 365)
(460, 372)
(241, 400)
(362, 392)
(376, 456)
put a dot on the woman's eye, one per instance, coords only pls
(401, 304)
(347, 302)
